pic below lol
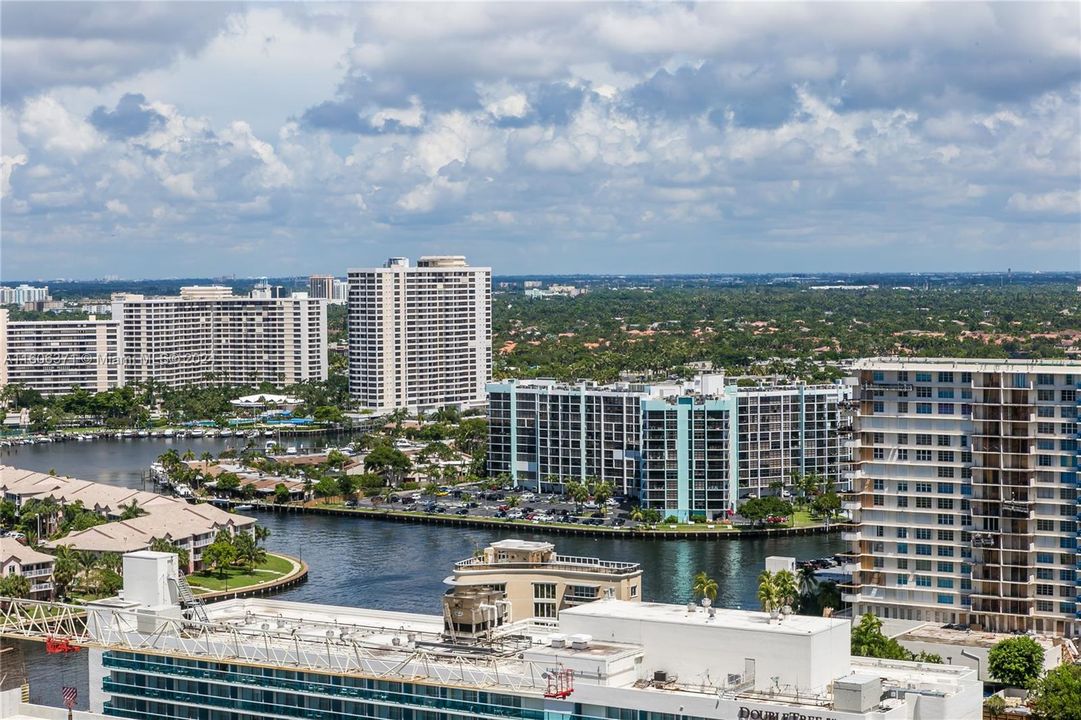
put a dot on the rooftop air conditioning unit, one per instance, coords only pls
(581, 641)
(660, 676)
(557, 641)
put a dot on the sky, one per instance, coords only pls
(205, 139)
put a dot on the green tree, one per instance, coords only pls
(347, 486)
(131, 511)
(1016, 661)
(787, 588)
(248, 552)
(869, 641)
(326, 487)
(8, 514)
(1057, 695)
(183, 558)
(995, 706)
(281, 494)
(219, 555)
(578, 492)
(328, 414)
(14, 586)
(248, 491)
(704, 586)
(387, 461)
(768, 596)
(227, 482)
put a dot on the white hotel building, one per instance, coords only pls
(420, 337)
(204, 335)
(603, 660)
(964, 499)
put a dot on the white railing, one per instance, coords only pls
(559, 562)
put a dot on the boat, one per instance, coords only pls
(225, 433)
(197, 433)
(268, 433)
(167, 433)
(245, 506)
(143, 434)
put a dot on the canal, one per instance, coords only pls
(394, 566)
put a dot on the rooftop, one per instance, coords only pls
(722, 617)
(25, 555)
(979, 364)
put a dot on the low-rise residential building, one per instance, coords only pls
(36, 567)
(189, 526)
(539, 583)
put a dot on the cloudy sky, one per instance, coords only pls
(163, 140)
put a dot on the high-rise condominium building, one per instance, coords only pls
(685, 449)
(420, 337)
(965, 499)
(206, 335)
(52, 357)
(23, 294)
(321, 286)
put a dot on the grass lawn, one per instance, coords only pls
(233, 578)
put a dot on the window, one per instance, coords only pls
(922, 439)
(945, 472)
(902, 579)
(878, 437)
(902, 407)
(634, 591)
(1045, 525)
(923, 392)
(902, 502)
(945, 377)
(945, 394)
(878, 376)
(878, 406)
(944, 519)
(902, 563)
(944, 567)
(945, 408)
(902, 486)
(945, 551)
(544, 610)
(878, 500)
(878, 453)
(902, 548)
(945, 583)
(966, 377)
(902, 376)
(945, 503)
(1045, 379)
(546, 591)
(923, 581)
(902, 454)
(902, 438)
(945, 489)
(923, 456)
(945, 535)
(902, 532)
(923, 377)
(923, 549)
(945, 599)
(923, 503)
(923, 533)
(945, 456)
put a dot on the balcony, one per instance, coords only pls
(853, 505)
(851, 537)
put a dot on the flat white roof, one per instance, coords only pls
(511, 544)
(725, 618)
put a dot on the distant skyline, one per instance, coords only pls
(210, 139)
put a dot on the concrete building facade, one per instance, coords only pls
(964, 500)
(420, 337)
(52, 357)
(694, 448)
(538, 582)
(205, 335)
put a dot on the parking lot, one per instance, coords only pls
(506, 504)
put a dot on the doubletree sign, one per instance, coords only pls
(746, 713)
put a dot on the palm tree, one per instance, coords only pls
(112, 561)
(807, 579)
(828, 595)
(637, 515)
(578, 492)
(188, 455)
(787, 591)
(261, 533)
(704, 586)
(131, 511)
(767, 591)
(86, 562)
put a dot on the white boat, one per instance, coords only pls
(197, 433)
(268, 433)
(291, 450)
(167, 433)
(225, 433)
(144, 433)
(243, 507)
